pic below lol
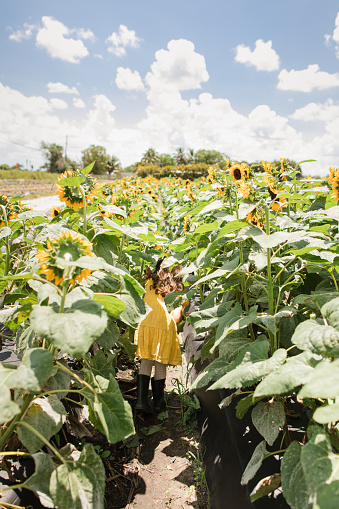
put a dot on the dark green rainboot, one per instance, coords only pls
(142, 404)
(158, 389)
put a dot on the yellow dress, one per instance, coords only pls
(156, 335)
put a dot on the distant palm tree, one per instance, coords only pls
(179, 156)
(113, 165)
(191, 156)
(151, 157)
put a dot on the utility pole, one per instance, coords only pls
(66, 146)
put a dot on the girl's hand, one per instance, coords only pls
(177, 314)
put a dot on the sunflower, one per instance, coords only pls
(71, 195)
(66, 247)
(332, 175)
(267, 167)
(55, 211)
(244, 189)
(12, 208)
(211, 174)
(186, 224)
(335, 185)
(253, 217)
(239, 171)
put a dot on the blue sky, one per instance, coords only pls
(255, 80)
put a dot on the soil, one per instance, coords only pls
(160, 470)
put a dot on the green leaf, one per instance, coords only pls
(250, 366)
(317, 338)
(320, 464)
(323, 383)
(39, 481)
(110, 336)
(88, 168)
(244, 404)
(207, 227)
(72, 331)
(268, 418)
(331, 313)
(109, 412)
(212, 372)
(328, 496)
(111, 304)
(5, 232)
(255, 463)
(71, 181)
(59, 380)
(327, 413)
(136, 309)
(79, 484)
(231, 227)
(35, 368)
(272, 240)
(213, 205)
(45, 415)
(128, 345)
(233, 320)
(293, 480)
(8, 408)
(103, 364)
(151, 429)
(266, 486)
(294, 372)
(234, 342)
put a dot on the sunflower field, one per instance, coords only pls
(260, 254)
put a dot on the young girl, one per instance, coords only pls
(156, 336)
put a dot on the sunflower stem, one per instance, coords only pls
(84, 211)
(63, 297)
(242, 274)
(6, 239)
(272, 337)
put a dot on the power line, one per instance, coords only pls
(20, 144)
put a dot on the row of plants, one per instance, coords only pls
(185, 171)
(260, 256)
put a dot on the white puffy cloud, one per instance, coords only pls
(55, 38)
(85, 34)
(307, 80)
(169, 121)
(119, 41)
(25, 33)
(78, 103)
(60, 88)
(263, 57)
(334, 37)
(58, 104)
(325, 112)
(175, 69)
(128, 80)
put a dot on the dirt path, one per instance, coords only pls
(162, 470)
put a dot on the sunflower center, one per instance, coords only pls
(237, 174)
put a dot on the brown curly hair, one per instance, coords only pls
(165, 281)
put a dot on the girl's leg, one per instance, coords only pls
(143, 378)
(146, 367)
(158, 386)
(159, 371)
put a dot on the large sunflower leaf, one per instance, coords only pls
(317, 338)
(46, 416)
(109, 412)
(72, 331)
(293, 481)
(79, 484)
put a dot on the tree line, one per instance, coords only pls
(57, 160)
